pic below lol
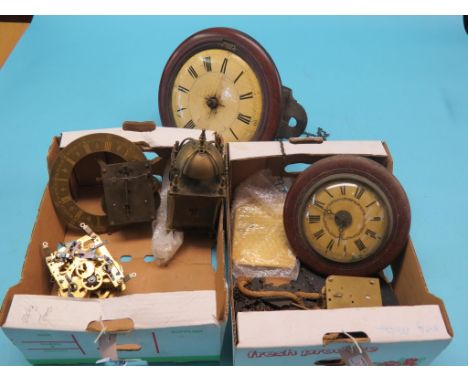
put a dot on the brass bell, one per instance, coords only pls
(199, 159)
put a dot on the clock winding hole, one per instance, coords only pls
(343, 219)
(212, 102)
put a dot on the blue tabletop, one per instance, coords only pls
(399, 79)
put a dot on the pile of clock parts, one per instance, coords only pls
(334, 227)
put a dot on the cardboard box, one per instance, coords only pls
(177, 313)
(411, 334)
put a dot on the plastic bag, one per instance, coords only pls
(165, 242)
(260, 246)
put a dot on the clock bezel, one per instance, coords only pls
(245, 47)
(341, 166)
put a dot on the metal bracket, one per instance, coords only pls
(293, 118)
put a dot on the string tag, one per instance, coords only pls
(107, 344)
(102, 332)
(354, 355)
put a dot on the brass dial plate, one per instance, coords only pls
(62, 171)
(218, 90)
(346, 220)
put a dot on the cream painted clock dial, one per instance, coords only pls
(346, 220)
(217, 90)
(347, 215)
(223, 80)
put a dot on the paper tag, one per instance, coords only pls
(353, 356)
(108, 346)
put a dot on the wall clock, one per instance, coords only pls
(223, 80)
(347, 215)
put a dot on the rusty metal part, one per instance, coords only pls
(139, 126)
(307, 281)
(130, 192)
(84, 268)
(63, 174)
(352, 292)
(198, 183)
(298, 297)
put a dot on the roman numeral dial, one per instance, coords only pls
(345, 221)
(218, 90)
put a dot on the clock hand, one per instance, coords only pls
(341, 230)
(326, 210)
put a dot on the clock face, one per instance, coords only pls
(217, 90)
(346, 215)
(346, 220)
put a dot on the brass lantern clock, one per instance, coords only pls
(223, 80)
(198, 184)
(347, 215)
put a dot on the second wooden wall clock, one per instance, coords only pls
(347, 215)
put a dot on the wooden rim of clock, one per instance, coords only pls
(249, 50)
(377, 175)
(63, 168)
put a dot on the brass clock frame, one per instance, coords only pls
(344, 167)
(279, 106)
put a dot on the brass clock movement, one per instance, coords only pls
(223, 80)
(347, 215)
(110, 164)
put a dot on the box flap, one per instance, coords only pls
(249, 150)
(307, 328)
(151, 310)
(160, 137)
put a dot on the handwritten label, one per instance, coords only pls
(36, 315)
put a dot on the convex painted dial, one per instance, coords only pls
(346, 220)
(218, 90)
(347, 215)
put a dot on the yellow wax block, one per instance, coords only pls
(259, 239)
